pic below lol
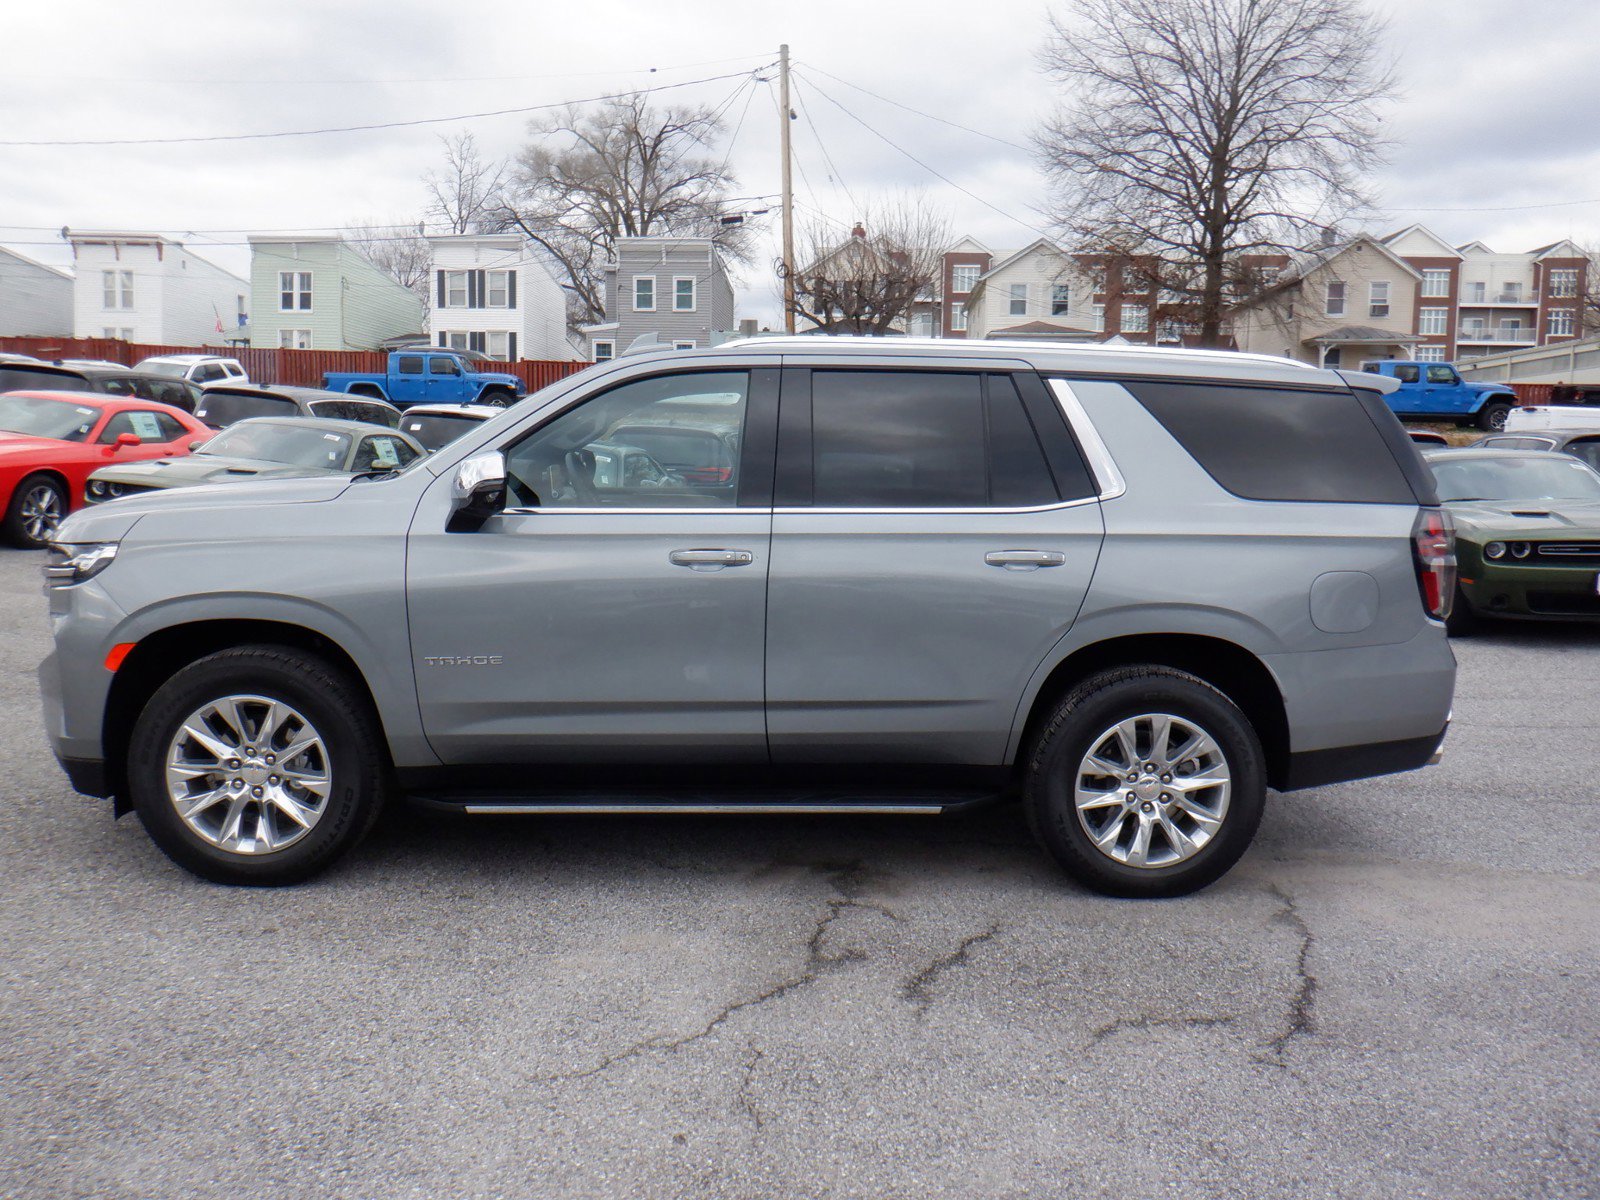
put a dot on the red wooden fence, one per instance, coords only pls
(266, 365)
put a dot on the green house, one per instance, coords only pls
(319, 293)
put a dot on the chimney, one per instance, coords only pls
(858, 231)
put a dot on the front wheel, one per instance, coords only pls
(1147, 781)
(36, 511)
(1492, 416)
(497, 398)
(257, 765)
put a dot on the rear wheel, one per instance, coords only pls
(257, 765)
(36, 511)
(1492, 416)
(1146, 782)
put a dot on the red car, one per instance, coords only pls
(50, 441)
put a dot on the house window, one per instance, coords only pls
(1560, 324)
(1430, 353)
(1135, 318)
(1510, 293)
(683, 297)
(1476, 293)
(1335, 304)
(453, 340)
(1098, 280)
(1018, 305)
(242, 312)
(1378, 298)
(455, 289)
(1099, 318)
(1060, 299)
(294, 339)
(963, 278)
(958, 315)
(604, 351)
(1563, 283)
(125, 335)
(1435, 282)
(116, 289)
(499, 289)
(498, 346)
(1431, 321)
(644, 293)
(294, 291)
(683, 345)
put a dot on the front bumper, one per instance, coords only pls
(1534, 593)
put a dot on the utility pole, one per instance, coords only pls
(788, 191)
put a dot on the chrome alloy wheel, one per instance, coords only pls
(1152, 791)
(248, 774)
(41, 512)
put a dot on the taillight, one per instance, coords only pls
(1433, 549)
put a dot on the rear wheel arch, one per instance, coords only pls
(1234, 671)
(160, 655)
(366, 389)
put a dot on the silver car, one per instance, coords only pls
(1135, 588)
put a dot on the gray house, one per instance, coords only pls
(676, 288)
(35, 300)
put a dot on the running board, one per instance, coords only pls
(480, 804)
(751, 809)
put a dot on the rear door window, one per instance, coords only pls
(1586, 450)
(1265, 443)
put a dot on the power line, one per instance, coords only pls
(1495, 207)
(930, 116)
(835, 175)
(936, 174)
(246, 137)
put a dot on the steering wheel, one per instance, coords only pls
(580, 474)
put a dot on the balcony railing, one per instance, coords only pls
(1525, 334)
(1529, 299)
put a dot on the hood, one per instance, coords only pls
(23, 445)
(1486, 519)
(497, 377)
(203, 468)
(1498, 388)
(112, 520)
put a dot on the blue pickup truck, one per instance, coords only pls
(429, 377)
(1434, 391)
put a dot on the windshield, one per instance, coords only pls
(172, 370)
(18, 377)
(224, 408)
(292, 445)
(1548, 477)
(436, 429)
(58, 419)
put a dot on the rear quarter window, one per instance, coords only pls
(1279, 444)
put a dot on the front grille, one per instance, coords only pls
(1578, 554)
(1564, 604)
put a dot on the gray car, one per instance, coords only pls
(1135, 588)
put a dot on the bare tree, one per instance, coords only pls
(1206, 130)
(620, 168)
(466, 195)
(398, 250)
(871, 280)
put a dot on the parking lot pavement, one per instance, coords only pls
(1395, 994)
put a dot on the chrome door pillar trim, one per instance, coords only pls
(1101, 464)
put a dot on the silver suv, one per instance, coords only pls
(1136, 588)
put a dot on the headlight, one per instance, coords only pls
(1495, 550)
(70, 564)
(100, 489)
(1519, 549)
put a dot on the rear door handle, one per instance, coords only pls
(711, 560)
(1024, 560)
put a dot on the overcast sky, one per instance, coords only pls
(1495, 129)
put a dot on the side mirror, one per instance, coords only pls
(477, 492)
(125, 439)
(196, 444)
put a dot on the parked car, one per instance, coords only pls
(264, 448)
(108, 379)
(1427, 437)
(1136, 586)
(1539, 417)
(51, 441)
(199, 369)
(1527, 534)
(1434, 391)
(1582, 444)
(429, 377)
(436, 425)
(224, 403)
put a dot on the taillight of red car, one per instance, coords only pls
(1433, 549)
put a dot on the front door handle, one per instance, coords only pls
(711, 560)
(1024, 560)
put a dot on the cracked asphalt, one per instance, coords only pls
(1394, 994)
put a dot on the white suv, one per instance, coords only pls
(199, 369)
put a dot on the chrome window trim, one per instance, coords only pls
(1101, 465)
(804, 511)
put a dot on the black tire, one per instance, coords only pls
(335, 706)
(1094, 706)
(1492, 416)
(497, 398)
(1462, 621)
(19, 517)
